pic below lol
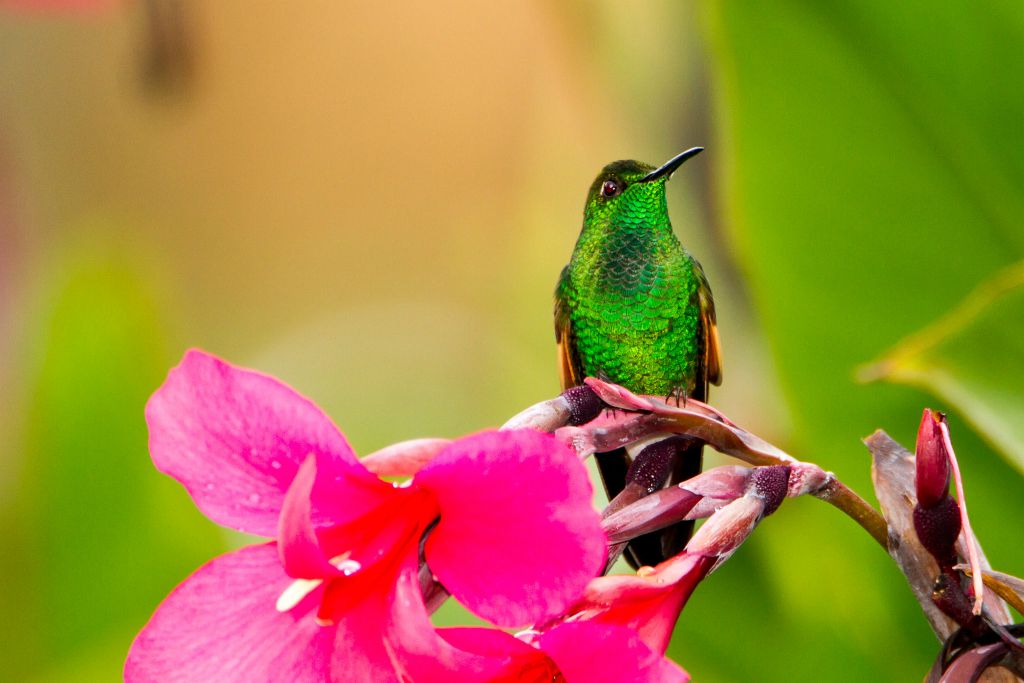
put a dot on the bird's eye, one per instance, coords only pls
(611, 188)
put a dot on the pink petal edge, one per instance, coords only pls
(405, 458)
(235, 439)
(505, 497)
(586, 651)
(221, 624)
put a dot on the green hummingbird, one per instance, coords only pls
(634, 308)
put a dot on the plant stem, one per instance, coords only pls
(846, 499)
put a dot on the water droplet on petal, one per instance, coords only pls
(254, 498)
(346, 566)
(209, 487)
(349, 567)
(275, 464)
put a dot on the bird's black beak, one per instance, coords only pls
(669, 167)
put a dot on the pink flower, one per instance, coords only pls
(512, 535)
(620, 628)
(582, 650)
(617, 632)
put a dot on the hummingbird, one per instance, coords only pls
(633, 307)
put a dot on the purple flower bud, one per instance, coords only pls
(770, 484)
(584, 404)
(937, 528)
(933, 470)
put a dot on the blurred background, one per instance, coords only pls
(373, 202)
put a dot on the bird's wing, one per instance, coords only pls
(711, 349)
(569, 370)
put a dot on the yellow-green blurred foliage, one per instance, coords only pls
(373, 201)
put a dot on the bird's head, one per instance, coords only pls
(632, 192)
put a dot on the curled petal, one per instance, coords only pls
(647, 604)
(650, 513)
(692, 499)
(973, 551)
(970, 665)
(725, 530)
(235, 439)
(546, 416)
(422, 654)
(694, 419)
(297, 542)
(518, 538)
(405, 458)
(221, 624)
(620, 397)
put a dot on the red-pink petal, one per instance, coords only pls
(518, 537)
(235, 439)
(647, 605)
(360, 654)
(298, 545)
(421, 654)
(221, 625)
(590, 652)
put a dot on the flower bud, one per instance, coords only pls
(584, 404)
(933, 469)
(692, 499)
(937, 528)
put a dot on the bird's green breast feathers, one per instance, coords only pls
(631, 300)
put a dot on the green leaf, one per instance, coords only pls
(867, 182)
(104, 535)
(973, 358)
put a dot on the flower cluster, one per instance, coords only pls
(501, 520)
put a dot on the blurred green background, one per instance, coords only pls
(374, 202)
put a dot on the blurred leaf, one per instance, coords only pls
(867, 183)
(973, 357)
(105, 535)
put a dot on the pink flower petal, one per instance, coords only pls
(298, 545)
(646, 605)
(221, 625)
(518, 537)
(585, 651)
(465, 655)
(405, 458)
(360, 653)
(235, 439)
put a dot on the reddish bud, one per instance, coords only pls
(933, 469)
